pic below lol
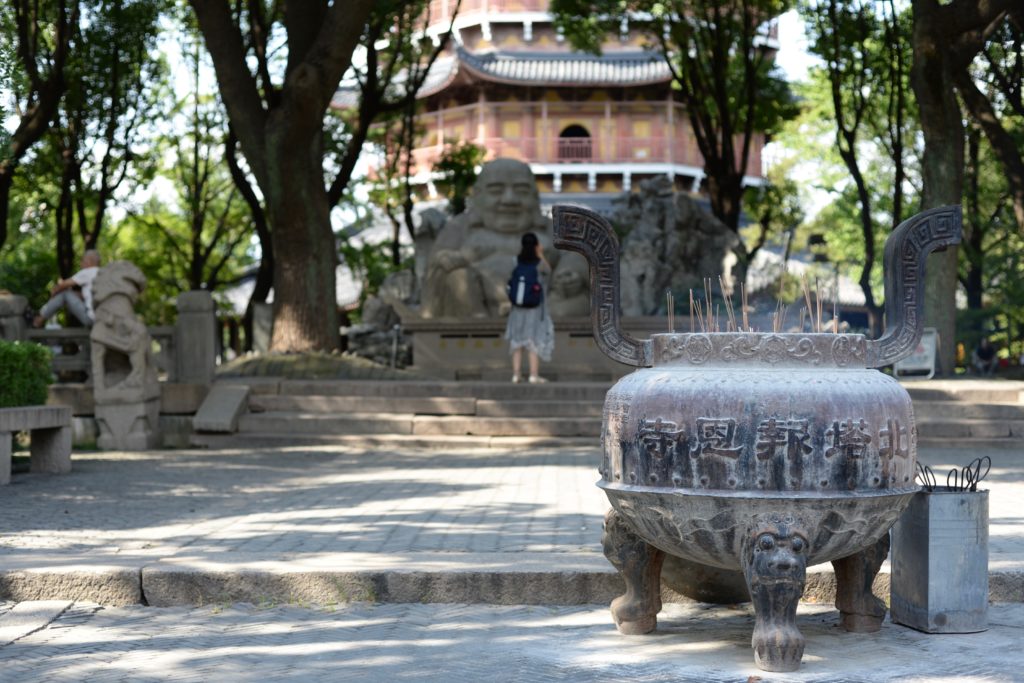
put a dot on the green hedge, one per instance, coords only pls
(24, 374)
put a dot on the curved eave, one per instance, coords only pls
(436, 83)
(561, 83)
(473, 68)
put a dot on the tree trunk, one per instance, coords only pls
(6, 181)
(305, 307)
(725, 194)
(66, 218)
(942, 168)
(974, 231)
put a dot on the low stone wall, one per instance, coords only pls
(469, 350)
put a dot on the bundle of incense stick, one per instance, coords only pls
(670, 303)
(743, 302)
(730, 312)
(807, 299)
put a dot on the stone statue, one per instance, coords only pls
(474, 254)
(672, 244)
(125, 383)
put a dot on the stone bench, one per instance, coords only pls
(50, 438)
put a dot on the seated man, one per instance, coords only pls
(984, 357)
(73, 294)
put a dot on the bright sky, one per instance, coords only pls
(792, 56)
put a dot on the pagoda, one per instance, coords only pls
(588, 125)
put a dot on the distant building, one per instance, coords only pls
(586, 124)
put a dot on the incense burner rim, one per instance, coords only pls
(770, 349)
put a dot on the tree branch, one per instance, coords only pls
(237, 86)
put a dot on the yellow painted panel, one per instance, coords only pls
(552, 96)
(574, 186)
(641, 129)
(598, 96)
(511, 129)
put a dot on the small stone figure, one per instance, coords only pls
(126, 387)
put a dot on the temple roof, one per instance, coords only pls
(563, 69)
(566, 68)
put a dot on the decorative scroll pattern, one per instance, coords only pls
(906, 252)
(713, 534)
(586, 232)
(841, 350)
(771, 349)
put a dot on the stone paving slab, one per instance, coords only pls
(694, 642)
(27, 617)
(322, 525)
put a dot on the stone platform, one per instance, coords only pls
(330, 525)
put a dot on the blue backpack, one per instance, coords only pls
(524, 288)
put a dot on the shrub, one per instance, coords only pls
(24, 374)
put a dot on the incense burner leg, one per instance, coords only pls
(635, 612)
(861, 611)
(775, 565)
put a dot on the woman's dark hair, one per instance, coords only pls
(529, 251)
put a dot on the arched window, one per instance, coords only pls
(574, 131)
(574, 144)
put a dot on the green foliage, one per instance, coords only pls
(457, 167)
(369, 263)
(24, 374)
(28, 267)
(722, 72)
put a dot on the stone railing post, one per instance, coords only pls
(12, 317)
(195, 338)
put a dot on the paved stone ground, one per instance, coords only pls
(474, 643)
(454, 512)
(315, 503)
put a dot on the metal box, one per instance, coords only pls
(940, 562)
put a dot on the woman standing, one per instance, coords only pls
(529, 324)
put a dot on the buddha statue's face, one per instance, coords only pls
(505, 197)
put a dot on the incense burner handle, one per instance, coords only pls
(588, 233)
(906, 252)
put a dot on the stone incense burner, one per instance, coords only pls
(759, 452)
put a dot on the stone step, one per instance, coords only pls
(534, 578)
(292, 423)
(968, 391)
(950, 391)
(552, 391)
(450, 443)
(363, 404)
(520, 408)
(506, 426)
(960, 428)
(937, 410)
(970, 444)
(381, 441)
